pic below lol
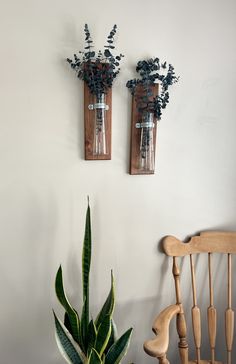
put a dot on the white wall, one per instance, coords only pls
(44, 179)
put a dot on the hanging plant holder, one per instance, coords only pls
(150, 96)
(143, 139)
(97, 124)
(98, 71)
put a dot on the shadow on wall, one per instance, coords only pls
(139, 315)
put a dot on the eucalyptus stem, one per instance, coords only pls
(97, 70)
(151, 71)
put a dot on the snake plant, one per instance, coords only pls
(81, 339)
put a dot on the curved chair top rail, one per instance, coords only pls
(206, 242)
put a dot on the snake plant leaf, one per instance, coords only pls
(68, 347)
(113, 337)
(92, 333)
(94, 357)
(84, 329)
(67, 322)
(119, 348)
(86, 262)
(103, 335)
(72, 314)
(108, 306)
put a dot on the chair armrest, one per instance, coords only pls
(158, 346)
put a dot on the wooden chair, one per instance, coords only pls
(209, 243)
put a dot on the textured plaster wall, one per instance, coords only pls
(44, 179)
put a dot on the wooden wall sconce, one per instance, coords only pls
(143, 139)
(97, 125)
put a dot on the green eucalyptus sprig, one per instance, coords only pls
(80, 339)
(97, 70)
(152, 71)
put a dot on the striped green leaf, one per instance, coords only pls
(94, 358)
(68, 347)
(67, 322)
(119, 348)
(103, 335)
(108, 306)
(72, 314)
(92, 333)
(113, 337)
(84, 328)
(86, 262)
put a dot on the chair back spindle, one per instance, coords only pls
(196, 314)
(211, 312)
(229, 314)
